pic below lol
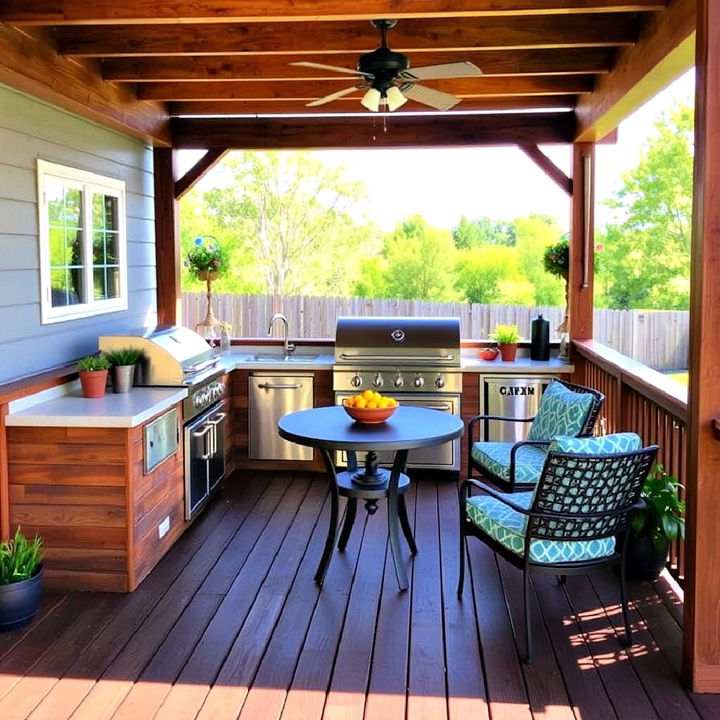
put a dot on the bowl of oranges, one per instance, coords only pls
(370, 407)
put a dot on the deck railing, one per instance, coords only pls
(644, 401)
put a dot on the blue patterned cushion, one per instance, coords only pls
(606, 445)
(495, 456)
(561, 412)
(507, 526)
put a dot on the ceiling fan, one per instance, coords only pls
(391, 82)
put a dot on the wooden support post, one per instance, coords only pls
(701, 648)
(582, 242)
(167, 238)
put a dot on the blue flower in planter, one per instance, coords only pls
(198, 240)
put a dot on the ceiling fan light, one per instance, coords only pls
(395, 98)
(371, 100)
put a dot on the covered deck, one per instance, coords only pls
(230, 624)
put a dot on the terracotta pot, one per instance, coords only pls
(93, 383)
(508, 351)
(489, 354)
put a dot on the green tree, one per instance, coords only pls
(297, 216)
(484, 231)
(481, 271)
(646, 249)
(420, 261)
(534, 233)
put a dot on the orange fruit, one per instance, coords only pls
(360, 402)
(369, 394)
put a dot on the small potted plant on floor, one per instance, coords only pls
(507, 337)
(122, 367)
(93, 371)
(655, 526)
(20, 580)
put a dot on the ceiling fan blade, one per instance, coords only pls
(333, 68)
(331, 97)
(428, 96)
(445, 70)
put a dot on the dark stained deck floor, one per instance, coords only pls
(230, 624)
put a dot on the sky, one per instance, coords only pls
(501, 183)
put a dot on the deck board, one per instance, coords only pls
(230, 624)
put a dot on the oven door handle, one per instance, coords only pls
(216, 420)
(436, 406)
(203, 434)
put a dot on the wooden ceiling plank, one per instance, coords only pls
(462, 87)
(574, 61)
(29, 63)
(335, 38)
(665, 49)
(112, 12)
(285, 107)
(201, 168)
(364, 132)
(548, 167)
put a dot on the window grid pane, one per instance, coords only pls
(106, 271)
(67, 262)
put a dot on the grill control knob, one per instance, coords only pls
(439, 382)
(356, 381)
(419, 381)
(378, 382)
(398, 382)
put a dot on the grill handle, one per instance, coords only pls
(395, 358)
(280, 386)
(436, 406)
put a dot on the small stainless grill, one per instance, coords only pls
(415, 360)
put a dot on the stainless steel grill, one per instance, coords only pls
(415, 360)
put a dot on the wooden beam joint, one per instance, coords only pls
(206, 163)
(548, 167)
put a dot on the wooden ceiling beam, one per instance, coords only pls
(665, 49)
(290, 107)
(572, 61)
(462, 87)
(29, 63)
(201, 168)
(112, 12)
(288, 39)
(367, 133)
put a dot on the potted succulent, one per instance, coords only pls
(507, 337)
(655, 526)
(93, 371)
(122, 367)
(20, 580)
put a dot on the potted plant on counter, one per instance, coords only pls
(20, 580)
(655, 526)
(93, 372)
(507, 337)
(122, 367)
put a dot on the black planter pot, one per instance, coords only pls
(644, 560)
(20, 601)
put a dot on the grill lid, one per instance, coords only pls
(416, 340)
(172, 355)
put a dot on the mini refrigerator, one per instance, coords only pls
(509, 396)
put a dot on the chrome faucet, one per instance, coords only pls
(288, 347)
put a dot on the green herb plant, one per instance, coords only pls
(662, 517)
(505, 334)
(92, 363)
(123, 356)
(19, 558)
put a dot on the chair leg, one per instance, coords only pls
(461, 576)
(562, 579)
(528, 629)
(623, 600)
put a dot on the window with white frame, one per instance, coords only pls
(83, 251)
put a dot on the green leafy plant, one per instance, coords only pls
(556, 258)
(19, 558)
(92, 363)
(505, 334)
(123, 356)
(662, 517)
(207, 256)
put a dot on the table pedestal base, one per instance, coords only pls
(371, 487)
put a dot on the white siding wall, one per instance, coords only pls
(29, 130)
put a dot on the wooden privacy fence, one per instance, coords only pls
(656, 338)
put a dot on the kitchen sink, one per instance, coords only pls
(284, 358)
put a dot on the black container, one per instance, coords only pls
(19, 601)
(539, 339)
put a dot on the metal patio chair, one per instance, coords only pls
(586, 494)
(566, 409)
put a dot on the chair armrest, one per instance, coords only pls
(474, 420)
(513, 453)
(470, 482)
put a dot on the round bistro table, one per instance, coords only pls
(331, 428)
